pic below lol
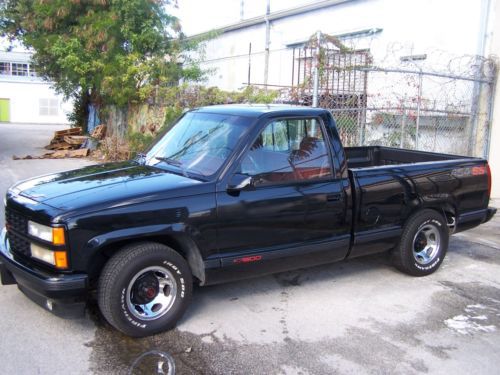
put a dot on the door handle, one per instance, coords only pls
(334, 197)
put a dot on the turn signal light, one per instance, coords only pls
(58, 236)
(61, 259)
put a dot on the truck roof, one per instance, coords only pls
(256, 110)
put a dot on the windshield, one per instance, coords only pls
(199, 143)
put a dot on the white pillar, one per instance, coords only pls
(493, 48)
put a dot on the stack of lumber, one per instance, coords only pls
(67, 139)
(70, 143)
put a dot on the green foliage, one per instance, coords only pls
(393, 139)
(79, 115)
(116, 51)
(252, 94)
(171, 114)
(185, 96)
(138, 142)
(346, 123)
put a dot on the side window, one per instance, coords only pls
(288, 150)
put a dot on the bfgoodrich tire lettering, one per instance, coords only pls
(423, 244)
(144, 289)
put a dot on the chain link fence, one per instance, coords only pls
(409, 105)
(420, 110)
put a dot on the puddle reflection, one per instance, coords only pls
(153, 362)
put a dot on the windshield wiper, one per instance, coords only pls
(175, 163)
(140, 158)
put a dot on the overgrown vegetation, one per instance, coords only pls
(138, 142)
(175, 100)
(103, 52)
(123, 57)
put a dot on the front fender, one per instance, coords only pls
(106, 239)
(97, 250)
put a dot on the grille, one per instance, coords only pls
(16, 222)
(19, 245)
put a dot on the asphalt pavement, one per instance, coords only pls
(355, 317)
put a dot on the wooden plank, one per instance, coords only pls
(99, 132)
(80, 153)
(59, 146)
(75, 139)
(70, 131)
(60, 154)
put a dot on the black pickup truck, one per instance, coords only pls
(230, 192)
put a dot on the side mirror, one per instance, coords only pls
(239, 182)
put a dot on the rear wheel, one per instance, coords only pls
(144, 289)
(423, 244)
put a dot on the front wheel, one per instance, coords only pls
(144, 289)
(423, 244)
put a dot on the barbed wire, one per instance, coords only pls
(439, 101)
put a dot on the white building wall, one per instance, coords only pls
(25, 103)
(409, 28)
(29, 96)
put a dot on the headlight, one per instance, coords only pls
(49, 234)
(40, 231)
(56, 258)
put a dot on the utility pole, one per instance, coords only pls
(242, 10)
(268, 32)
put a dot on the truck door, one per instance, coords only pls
(294, 205)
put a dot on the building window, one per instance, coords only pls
(49, 107)
(5, 68)
(8, 68)
(19, 69)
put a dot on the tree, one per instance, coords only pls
(101, 51)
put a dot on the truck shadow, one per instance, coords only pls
(312, 277)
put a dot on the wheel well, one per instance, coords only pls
(447, 210)
(184, 246)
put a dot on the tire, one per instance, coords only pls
(144, 289)
(423, 243)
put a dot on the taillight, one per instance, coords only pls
(479, 170)
(488, 172)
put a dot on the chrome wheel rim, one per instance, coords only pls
(426, 244)
(151, 293)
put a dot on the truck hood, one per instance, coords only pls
(105, 184)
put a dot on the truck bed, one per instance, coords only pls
(376, 156)
(391, 183)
